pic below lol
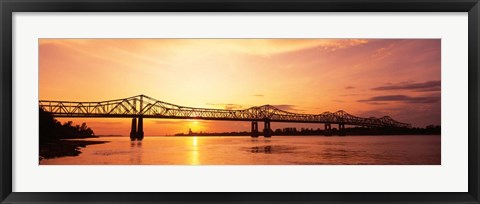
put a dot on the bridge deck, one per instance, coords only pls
(148, 107)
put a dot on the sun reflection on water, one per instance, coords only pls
(194, 160)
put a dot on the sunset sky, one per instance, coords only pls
(365, 77)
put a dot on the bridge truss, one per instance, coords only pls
(147, 107)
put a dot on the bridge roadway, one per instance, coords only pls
(141, 106)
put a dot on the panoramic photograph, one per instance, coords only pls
(239, 101)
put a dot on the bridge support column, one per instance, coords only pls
(140, 128)
(254, 129)
(133, 131)
(341, 130)
(266, 129)
(328, 129)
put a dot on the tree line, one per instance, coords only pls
(52, 129)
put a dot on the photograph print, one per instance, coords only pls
(239, 101)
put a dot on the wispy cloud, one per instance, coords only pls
(349, 87)
(377, 103)
(424, 114)
(258, 95)
(288, 107)
(402, 98)
(344, 95)
(277, 46)
(425, 86)
(227, 106)
(383, 52)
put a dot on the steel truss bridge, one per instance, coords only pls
(142, 106)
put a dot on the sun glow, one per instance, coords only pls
(296, 75)
(195, 126)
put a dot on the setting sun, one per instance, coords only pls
(195, 126)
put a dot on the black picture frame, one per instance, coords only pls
(7, 8)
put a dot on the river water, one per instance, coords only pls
(277, 150)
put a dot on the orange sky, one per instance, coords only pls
(365, 77)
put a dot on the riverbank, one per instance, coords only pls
(63, 148)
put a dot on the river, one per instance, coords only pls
(277, 150)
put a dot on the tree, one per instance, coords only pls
(50, 129)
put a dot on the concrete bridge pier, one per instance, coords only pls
(266, 129)
(328, 129)
(254, 129)
(139, 134)
(341, 129)
(133, 131)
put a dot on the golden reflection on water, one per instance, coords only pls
(194, 160)
(278, 150)
(136, 146)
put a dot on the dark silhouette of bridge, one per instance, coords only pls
(141, 106)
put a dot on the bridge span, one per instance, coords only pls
(141, 106)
